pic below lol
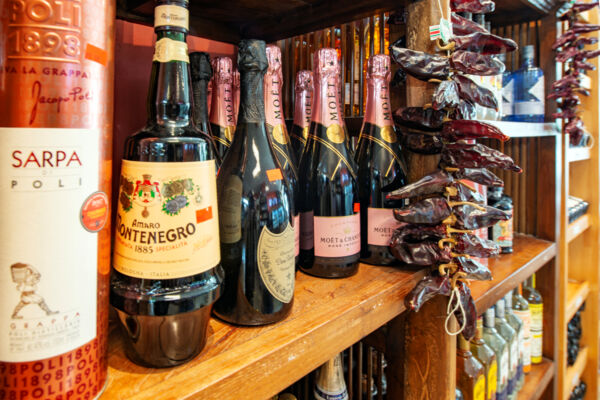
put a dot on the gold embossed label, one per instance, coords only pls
(171, 15)
(275, 256)
(336, 134)
(229, 132)
(388, 134)
(305, 132)
(167, 219)
(280, 135)
(167, 50)
(230, 212)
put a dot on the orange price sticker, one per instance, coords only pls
(204, 214)
(96, 54)
(274, 174)
(356, 207)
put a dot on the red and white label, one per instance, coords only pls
(380, 226)
(337, 236)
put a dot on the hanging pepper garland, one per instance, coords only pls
(569, 47)
(436, 228)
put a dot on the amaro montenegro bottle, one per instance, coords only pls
(166, 260)
(56, 86)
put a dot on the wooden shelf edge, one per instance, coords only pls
(578, 154)
(574, 372)
(537, 380)
(577, 227)
(509, 270)
(577, 292)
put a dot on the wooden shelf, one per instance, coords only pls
(577, 227)
(273, 20)
(526, 129)
(578, 153)
(529, 255)
(574, 372)
(328, 316)
(576, 294)
(537, 380)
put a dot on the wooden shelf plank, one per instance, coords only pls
(529, 255)
(577, 227)
(578, 154)
(328, 316)
(576, 294)
(537, 380)
(526, 129)
(574, 372)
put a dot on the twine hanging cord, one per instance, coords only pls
(450, 310)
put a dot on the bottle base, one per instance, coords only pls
(378, 255)
(249, 319)
(164, 341)
(324, 267)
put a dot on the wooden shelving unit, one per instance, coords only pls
(577, 293)
(575, 371)
(578, 226)
(579, 154)
(537, 380)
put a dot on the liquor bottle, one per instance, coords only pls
(201, 75)
(277, 130)
(381, 166)
(330, 382)
(512, 340)
(502, 232)
(255, 210)
(487, 357)
(56, 129)
(522, 311)
(517, 325)
(328, 201)
(222, 118)
(166, 262)
(508, 84)
(500, 347)
(536, 307)
(470, 374)
(302, 111)
(236, 94)
(529, 89)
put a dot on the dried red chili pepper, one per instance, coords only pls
(560, 93)
(470, 129)
(568, 81)
(435, 182)
(563, 39)
(586, 54)
(473, 6)
(579, 27)
(419, 118)
(463, 26)
(484, 43)
(569, 101)
(470, 217)
(411, 233)
(479, 175)
(585, 40)
(472, 245)
(460, 155)
(465, 110)
(474, 269)
(421, 65)
(578, 64)
(470, 91)
(580, 7)
(464, 194)
(567, 53)
(430, 211)
(421, 254)
(445, 96)
(427, 288)
(421, 143)
(472, 63)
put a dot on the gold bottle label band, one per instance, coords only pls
(280, 134)
(167, 50)
(171, 15)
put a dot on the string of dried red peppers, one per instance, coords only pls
(570, 50)
(436, 228)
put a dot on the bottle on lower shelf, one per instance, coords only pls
(487, 357)
(470, 373)
(536, 306)
(330, 383)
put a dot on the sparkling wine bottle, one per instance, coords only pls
(328, 201)
(330, 383)
(304, 89)
(56, 97)
(255, 210)
(201, 75)
(381, 167)
(236, 94)
(166, 271)
(277, 130)
(222, 117)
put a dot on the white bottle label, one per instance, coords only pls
(508, 98)
(514, 356)
(504, 368)
(525, 316)
(48, 282)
